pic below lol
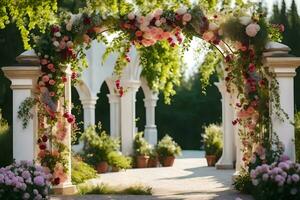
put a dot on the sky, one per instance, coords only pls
(192, 59)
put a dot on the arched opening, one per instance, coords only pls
(102, 108)
(140, 110)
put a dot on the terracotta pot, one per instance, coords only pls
(153, 162)
(102, 167)
(115, 169)
(142, 161)
(168, 161)
(211, 160)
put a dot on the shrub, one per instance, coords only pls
(24, 180)
(116, 159)
(168, 147)
(243, 182)
(140, 145)
(280, 181)
(212, 139)
(5, 143)
(297, 135)
(81, 171)
(98, 146)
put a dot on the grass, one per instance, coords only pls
(106, 189)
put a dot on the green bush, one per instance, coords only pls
(140, 145)
(81, 171)
(98, 146)
(297, 135)
(5, 143)
(116, 159)
(167, 147)
(212, 139)
(243, 182)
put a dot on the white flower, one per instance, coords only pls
(245, 20)
(57, 34)
(131, 16)
(70, 44)
(252, 29)
(158, 12)
(56, 43)
(46, 56)
(157, 23)
(181, 11)
(69, 26)
(213, 27)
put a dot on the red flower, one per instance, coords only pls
(118, 84)
(251, 67)
(281, 27)
(121, 92)
(64, 79)
(234, 122)
(71, 119)
(87, 21)
(127, 58)
(45, 138)
(56, 181)
(42, 146)
(74, 75)
(54, 29)
(66, 115)
(228, 58)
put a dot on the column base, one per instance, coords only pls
(224, 166)
(64, 189)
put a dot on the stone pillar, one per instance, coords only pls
(284, 67)
(23, 83)
(67, 187)
(150, 127)
(227, 158)
(89, 106)
(114, 103)
(127, 110)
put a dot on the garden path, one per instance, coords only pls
(189, 178)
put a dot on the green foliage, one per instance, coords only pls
(140, 145)
(297, 136)
(212, 139)
(5, 142)
(106, 189)
(25, 111)
(98, 145)
(167, 147)
(162, 67)
(243, 182)
(116, 159)
(81, 171)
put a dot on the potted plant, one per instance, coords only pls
(153, 158)
(167, 149)
(97, 148)
(142, 150)
(117, 161)
(212, 139)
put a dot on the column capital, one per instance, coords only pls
(283, 66)
(89, 102)
(22, 77)
(133, 84)
(150, 102)
(113, 98)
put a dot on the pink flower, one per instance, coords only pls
(62, 44)
(187, 17)
(71, 119)
(45, 78)
(251, 67)
(50, 66)
(138, 33)
(44, 61)
(131, 16)
(52, 82)
(51, 94)
(147, 43)
(252, 29)
(208, 36)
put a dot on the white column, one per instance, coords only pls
(67, 187)
(23, 83)
(227, 158)
(284, 69)
(150, 127)
(114, 103)
(89, 106)
(127, 107)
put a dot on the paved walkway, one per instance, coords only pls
(188, 179)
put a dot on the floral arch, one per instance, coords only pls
(240, 38)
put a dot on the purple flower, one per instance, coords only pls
(295, 178)
(278, 178)
(283, 158)
(265, 177)
(26, 174)
(39, 181)
(284, 165)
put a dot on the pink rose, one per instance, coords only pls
(44, 61)
(187, 17)
(45, 78)
(62, 44)
(147, 42)
(252, 29)
(51, 94)
(52, 82)
(208, 36)
(50, 66)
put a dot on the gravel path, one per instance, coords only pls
(189, 179)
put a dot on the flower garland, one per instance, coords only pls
(63, 45)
